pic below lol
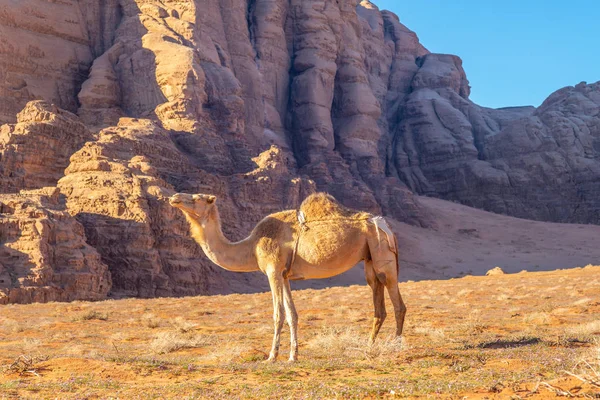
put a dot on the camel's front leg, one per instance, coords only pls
(277, 287)
(292, 319)
(378, 288)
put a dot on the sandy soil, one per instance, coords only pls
(497, 337)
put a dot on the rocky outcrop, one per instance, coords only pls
(44, 54)
(262, 102)
(531, 163)
(43, 253)
(35, 151)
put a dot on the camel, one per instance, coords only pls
(320, 240)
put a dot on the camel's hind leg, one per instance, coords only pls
(385, 267)
(399, 306)
(379, 313)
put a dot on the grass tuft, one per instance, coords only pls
(150, 321)
(336, 342)
(90, 315)
(167, 342)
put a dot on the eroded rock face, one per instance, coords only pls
(531, 163)
(262, 102)
(44, 255)
(44, 54)
(35, 151)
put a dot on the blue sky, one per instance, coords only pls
(514, 52)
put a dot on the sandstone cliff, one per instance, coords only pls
(541, 164)
(44, 256)
(261, 102)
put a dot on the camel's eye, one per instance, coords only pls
(196, 197)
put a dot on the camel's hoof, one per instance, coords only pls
(269, 360)
(292, 360)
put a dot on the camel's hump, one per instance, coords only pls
(323, 206)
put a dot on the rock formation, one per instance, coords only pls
(36, 150)
(44, 255)
(44, 54)
(531, 163)
(120, 103)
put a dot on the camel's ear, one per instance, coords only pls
(211, 199)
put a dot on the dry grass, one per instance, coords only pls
(493, 342)
(582, 302)
(31, 344)
(182, 325)
(474, 325)
(91, 314)
(537, 318)
(348, 343)
(150, 321)
(167, 342)
(224, 352)
(10, 325)
(24, 364)
(435, 334)
(587, 373)
(585, 329)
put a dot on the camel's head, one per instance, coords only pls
(197, 205)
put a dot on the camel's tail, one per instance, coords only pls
(381, 224)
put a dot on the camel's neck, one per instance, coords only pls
(238, 257)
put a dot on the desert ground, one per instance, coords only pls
(525, 335)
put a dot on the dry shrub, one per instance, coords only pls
(228, 352)
(24, 364)
(182, 325)
(537, 318)
(75, 350)
(561, 311)
(12, 325)
(150, 320)
(31, 344)
(435, 334)
(584, 333)
(588, 372)
(348, 343)
(92, 314)
(503, 297)
(589, 328)
(166, 342)
(582, 302)
(473, 324)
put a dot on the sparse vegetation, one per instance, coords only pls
(585, 329)
(182, 325)
(499, 339)
(24, 364)
(11, 325)
(349, 343)
(435, 334)
(91, 314)
(150, 321)
(167, 342)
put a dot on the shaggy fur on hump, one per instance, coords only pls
(321, 206)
